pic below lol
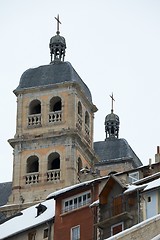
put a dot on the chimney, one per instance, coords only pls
(157, 155)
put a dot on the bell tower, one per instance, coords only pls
(54, 129)
(112, 123)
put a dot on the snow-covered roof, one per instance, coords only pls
(28, 219)
(95, 203)
(148, 186)
(156, 238)
(66, 189)
(153, 184)
(132, 188)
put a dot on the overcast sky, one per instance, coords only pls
(114, 45)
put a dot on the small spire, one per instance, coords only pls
(58, 22)
(57, 45)
(112, 123)
(112, 102)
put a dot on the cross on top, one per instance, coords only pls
(112, 102)
(58, 22)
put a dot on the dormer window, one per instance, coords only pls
(55, 114)
(133, 177)
(34, 117)
(41, 209)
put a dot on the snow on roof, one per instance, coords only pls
(153, 184)
(156, 238)
(132, 188)
(145, 187)
(66, 189)
(95, 203)
(27, 220)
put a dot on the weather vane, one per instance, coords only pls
(112, 102)
(58, 22)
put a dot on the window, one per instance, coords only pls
(75, 233)
(149, 199)
(76, 201)
(32, 235)
(133, 177)
(45, 233)
(117, 228)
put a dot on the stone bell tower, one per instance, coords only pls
(54, 131)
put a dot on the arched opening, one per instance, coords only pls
(79, 164)
(53, 161)
(53, 172)
(32, 164)
(87, 118)
(80, 109)
(55, 114)
(35, 107)
(55, 104)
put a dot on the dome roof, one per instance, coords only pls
(112, 117)
(57, 39)
(48, 75)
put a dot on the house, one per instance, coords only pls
(124, 199)
(35, 222)
(116, 210)
(148, 190)
(74, 218)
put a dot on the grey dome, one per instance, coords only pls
(51, 74)
(112, 117)
(57, 39)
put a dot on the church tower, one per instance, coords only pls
(54, 129)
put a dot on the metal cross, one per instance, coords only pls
(58, 22)
(112, 101)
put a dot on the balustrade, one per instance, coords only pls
(34, 120)
(53, 175)
(55, 116)
(32, 178)
(79, 122)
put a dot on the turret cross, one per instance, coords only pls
(58, 22)
(112, 102)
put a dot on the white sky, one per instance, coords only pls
(114, 45)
